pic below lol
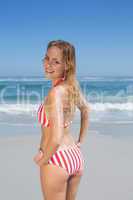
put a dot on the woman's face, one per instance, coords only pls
(53, 63)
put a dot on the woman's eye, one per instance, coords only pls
(57, 62)
(45, 58)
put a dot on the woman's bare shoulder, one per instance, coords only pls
(55, 92)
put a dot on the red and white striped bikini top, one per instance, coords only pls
(42, 116)
(43, 119)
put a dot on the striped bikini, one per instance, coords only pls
(68, 157)
(43, 119)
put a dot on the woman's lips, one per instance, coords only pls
(49, 72)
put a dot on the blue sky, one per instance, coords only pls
(101, 31)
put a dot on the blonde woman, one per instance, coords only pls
(60, 157)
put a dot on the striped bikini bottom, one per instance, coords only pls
(70, 158)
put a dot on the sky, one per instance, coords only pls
(100, 30)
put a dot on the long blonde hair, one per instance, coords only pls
(69, 57)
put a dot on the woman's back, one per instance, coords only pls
(68, 114)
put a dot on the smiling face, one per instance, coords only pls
(53, 63)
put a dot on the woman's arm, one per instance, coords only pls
(84, 123)
(84, 108)
(56, 125)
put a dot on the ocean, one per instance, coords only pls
(110, 99)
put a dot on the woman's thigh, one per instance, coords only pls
(72, 186)
(53, 182)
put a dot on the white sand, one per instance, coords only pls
(108, 171)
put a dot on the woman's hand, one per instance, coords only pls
(38, 157)
(78, 144)
(41, 162)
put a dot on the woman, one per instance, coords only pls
(59, 157)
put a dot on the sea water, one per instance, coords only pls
(110, 100)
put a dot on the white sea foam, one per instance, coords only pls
(81, 78)
(112, 106)
(18, 108)
(24, 108)
(17, 79)
(105, 78)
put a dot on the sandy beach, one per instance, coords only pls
(108, 168)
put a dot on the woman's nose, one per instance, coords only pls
(49, 64)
